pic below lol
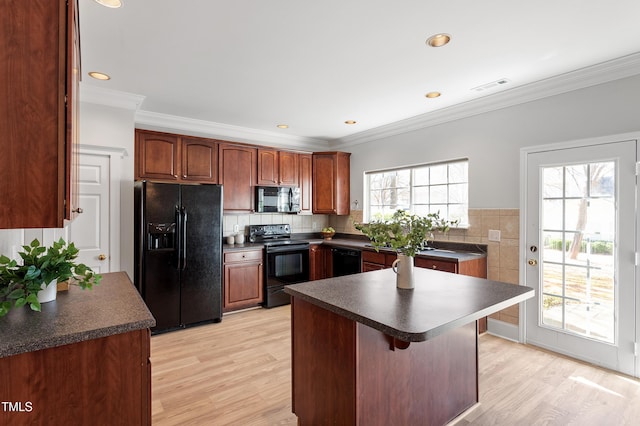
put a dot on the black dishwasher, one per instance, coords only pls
(346, 261)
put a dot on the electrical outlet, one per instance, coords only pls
(236, 227)
(314, 226)
(494, 235)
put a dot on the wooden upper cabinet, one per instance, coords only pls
(38, 127)
(157, 156)
(288, 167)
(237, 169)
(173, 158)
(199, 160)
(331, 183)
(305, 178)
(277, 168)
(268, 165)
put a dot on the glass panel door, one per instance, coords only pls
(580, 238)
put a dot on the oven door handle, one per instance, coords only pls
(288, 248)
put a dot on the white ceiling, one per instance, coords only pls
(254, 64)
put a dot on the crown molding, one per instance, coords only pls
(108, 97)
(170, 123)
(616, 69)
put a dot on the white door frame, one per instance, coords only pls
(116, 156)
(524, 152)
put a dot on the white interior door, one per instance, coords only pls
(90, 230)
(580, 250)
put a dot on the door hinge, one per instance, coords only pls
(635, 348)
(638, 168)
(637, 259)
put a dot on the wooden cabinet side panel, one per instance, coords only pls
(99, 381)
(32, 114)
(323, 365)
(343, 184)
(305, 182)
(474, 268)
(428, 383)
(72, 150)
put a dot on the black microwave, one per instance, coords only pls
(276, 199)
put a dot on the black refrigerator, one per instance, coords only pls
(178, 252)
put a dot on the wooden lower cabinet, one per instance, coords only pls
(474, 268)
(320, 262)
(243, 280)
(373, 261)
(104, 381)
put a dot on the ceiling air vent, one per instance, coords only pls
(492, 85)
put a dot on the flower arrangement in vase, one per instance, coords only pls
(406, 234)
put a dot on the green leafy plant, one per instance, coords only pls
(404, 232)
(20, 283)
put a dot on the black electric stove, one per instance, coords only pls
(287, 261)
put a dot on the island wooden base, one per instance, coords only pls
(105, 381)
(347, 373)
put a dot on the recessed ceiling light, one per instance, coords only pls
(99, 75)
(350, 122)
(114, 4)
(282, 126)
(432, 95)
(438, 40)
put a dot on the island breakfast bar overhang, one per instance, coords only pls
(367, 353)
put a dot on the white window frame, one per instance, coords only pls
(464, 220)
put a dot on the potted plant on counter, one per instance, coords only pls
(34, 281)
(406, 234)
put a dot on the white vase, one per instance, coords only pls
(403, 267)
(48, 292)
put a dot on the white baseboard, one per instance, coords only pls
(503, 329)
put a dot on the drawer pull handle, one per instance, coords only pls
(434, 267)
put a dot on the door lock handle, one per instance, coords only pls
(532, 262)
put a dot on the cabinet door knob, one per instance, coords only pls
(78, 210)
(102, 257)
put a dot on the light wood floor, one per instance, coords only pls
(238, 372)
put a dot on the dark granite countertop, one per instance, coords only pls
(242, 247)
(454, 251)
(112, 307)
(440, 302)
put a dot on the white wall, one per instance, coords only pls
(492, 141)
(112, 127)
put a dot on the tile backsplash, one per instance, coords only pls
(299, 223)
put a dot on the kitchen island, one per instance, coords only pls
(83, 360)
(367, 353)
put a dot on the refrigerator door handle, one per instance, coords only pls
(178, 249)
(184, 238)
